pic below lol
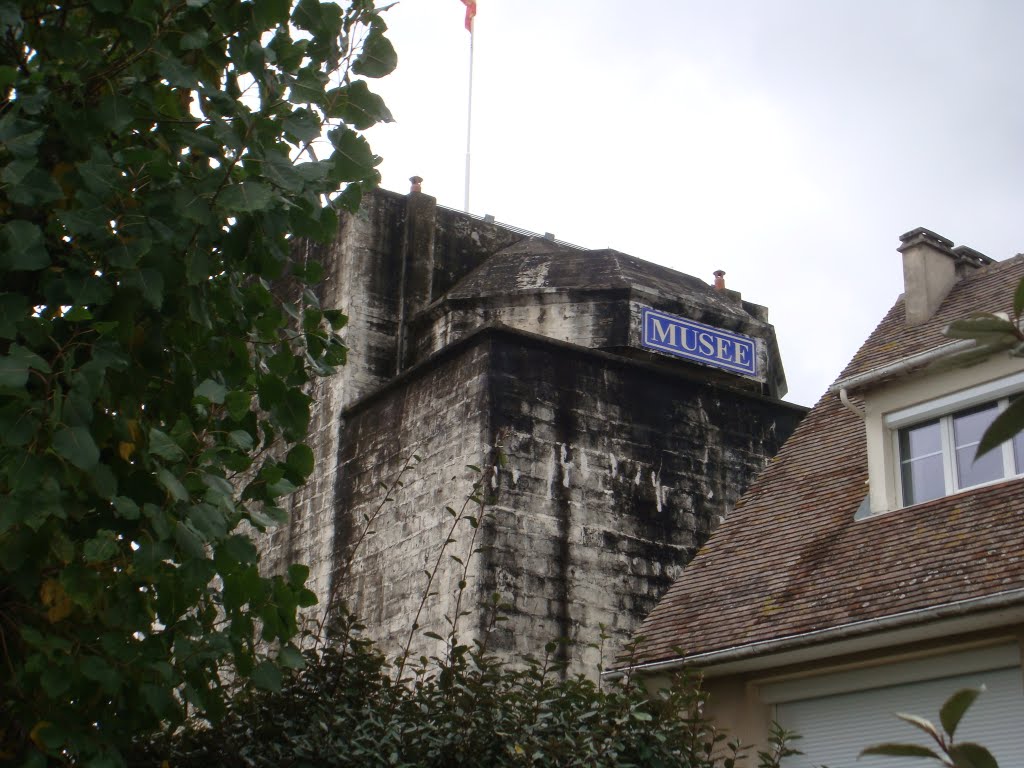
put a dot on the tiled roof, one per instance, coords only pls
(989, 288)
(791, 559)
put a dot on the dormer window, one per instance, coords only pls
(937, 457)
(936, 443)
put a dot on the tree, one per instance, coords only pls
(156, 169)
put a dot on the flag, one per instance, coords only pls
(470, 13)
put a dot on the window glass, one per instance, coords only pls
(921, 463)
(968, 427)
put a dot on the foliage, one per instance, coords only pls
(155, 163)
(946, 751)
(993, 334)
(346, 708)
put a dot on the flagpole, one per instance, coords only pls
(469, 111)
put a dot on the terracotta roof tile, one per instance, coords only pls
(791, 558)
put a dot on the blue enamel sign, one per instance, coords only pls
(684, 338)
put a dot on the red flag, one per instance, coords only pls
(470, 13)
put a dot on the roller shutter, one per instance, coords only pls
(837, 727)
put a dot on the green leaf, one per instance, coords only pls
(302, 124)
(99, 670)
(194, 39)
(919, 722)
(955, 707)
(126, 507)
(1018, 299)
(297, 574)
(100, 548)
(191, 543)
(238, 404)
(172, 485)
(23, 247)
(77, 446)
(211, 391)
(980, 324)
(353, 159)
(208, 520)
(899, 750)
(270, 13)
(241, 439)
(19, 137)
(161, 444)
(115, 113)
(377, 58)
(245, 197)
(28, 185)
(162, 702)
(300, 460)
(240, 549)
(969, 755)
(13, 309)
(149, 282)
(291, 412)
(15, 365)
(357, 105)
(267, 676)
(291, 658)
(1004, 426)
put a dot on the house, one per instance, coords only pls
(632, 404)
(874, 567)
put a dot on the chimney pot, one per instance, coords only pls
(417, 184)
(719, 279)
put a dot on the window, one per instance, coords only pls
(936, 457)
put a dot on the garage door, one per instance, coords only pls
(835, 728)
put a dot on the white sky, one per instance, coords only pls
(788, 142)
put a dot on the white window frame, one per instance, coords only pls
(944, 409)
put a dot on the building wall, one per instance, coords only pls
(615, 474)
(617, 468)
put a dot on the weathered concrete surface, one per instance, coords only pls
(616, 473)
(620, 460)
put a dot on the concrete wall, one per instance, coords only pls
(618, 467)
(616, 473)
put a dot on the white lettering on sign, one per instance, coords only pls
(691, 340)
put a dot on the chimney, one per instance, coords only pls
(931, 266)
(719, 279)
(929, 271)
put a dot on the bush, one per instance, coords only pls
(346, 708)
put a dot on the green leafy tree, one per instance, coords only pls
(156, 168)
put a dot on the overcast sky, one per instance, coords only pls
(788, 142)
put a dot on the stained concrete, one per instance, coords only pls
(617, 461)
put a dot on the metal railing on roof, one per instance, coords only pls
(518, 230)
